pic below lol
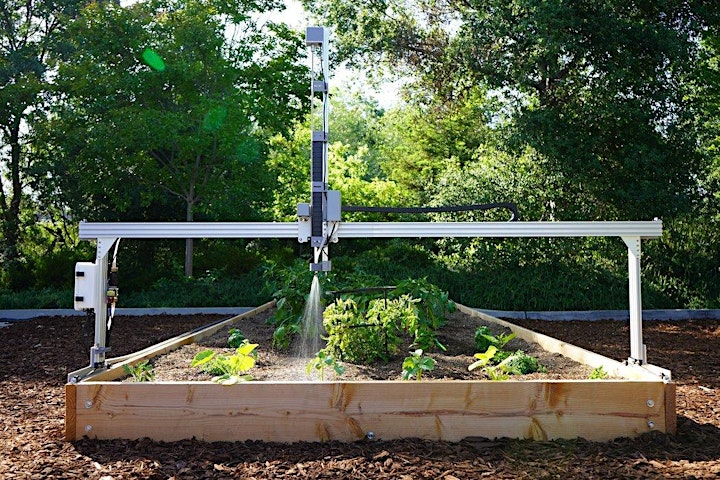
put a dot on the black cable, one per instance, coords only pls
(457, 208)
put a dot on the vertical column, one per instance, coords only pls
(317, 39)
(637, 347)
(98, 350)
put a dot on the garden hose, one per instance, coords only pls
(456, 208)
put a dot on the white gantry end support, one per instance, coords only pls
(631, 232)
(637, 347)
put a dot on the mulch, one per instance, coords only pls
(36, 356)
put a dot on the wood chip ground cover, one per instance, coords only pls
(36, 356)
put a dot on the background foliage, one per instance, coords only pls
(571, 110)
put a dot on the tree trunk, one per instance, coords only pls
(189, 241)
(11, 209)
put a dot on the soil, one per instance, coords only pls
(36, 356)
(457, 337)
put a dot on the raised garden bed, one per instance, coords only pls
(443, 407)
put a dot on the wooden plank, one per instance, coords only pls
(670, 408)
(116, 369)
(612, 367)
(347, 411)
(70, 412)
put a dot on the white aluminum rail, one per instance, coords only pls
(651, 229)
(643, 230)
(92, 231)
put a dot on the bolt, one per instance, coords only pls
(651, 424)
(650, 403)
(370, 435)
(88, 404)
(88, 428)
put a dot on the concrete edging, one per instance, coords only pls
(590, 315)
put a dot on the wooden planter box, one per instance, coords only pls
(597, 410)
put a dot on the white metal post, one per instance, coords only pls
(97, 351)
(637, 347)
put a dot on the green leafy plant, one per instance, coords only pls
(484, 339)
(235, 337)
(141, 372)
(598, 373)
(432, 306)
(520, 363)
(228, 368)
(505, 363)
(322, 361)
(364, 337)
(290, 287)
(483, 358)
(415, 364)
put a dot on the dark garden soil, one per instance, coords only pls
(36, 356)
(450, 364)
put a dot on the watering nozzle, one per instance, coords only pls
(325, 266)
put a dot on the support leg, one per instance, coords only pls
(99, 348)
(637, 347)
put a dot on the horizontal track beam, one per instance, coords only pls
(90, 230)
(651, 229)
(641, 229)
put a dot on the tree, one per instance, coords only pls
(176, 97)
(355, 160)
(29, 38)
(593, 87)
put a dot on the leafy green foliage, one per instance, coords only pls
(356, 337)
(290, 287)
(483, 358)
(415, 364)
(323, 361)
(227, 368)
(141, 371)
(190, 129)
(520, 363)
(598, 373)
(432, 306)
(484, 339)
(235, 337)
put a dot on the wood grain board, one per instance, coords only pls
(348, 411)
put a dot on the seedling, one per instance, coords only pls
(322, 361)
(141, 372)
(484, 339)
(519, 363)
(598, 373)
(228, 369)
(483, 358)
(415, 364)
(235, 337)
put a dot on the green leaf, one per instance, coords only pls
(202, 358)
(246, 348)
(483, 358)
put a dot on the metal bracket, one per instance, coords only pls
(97, 356)
(104, 244)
